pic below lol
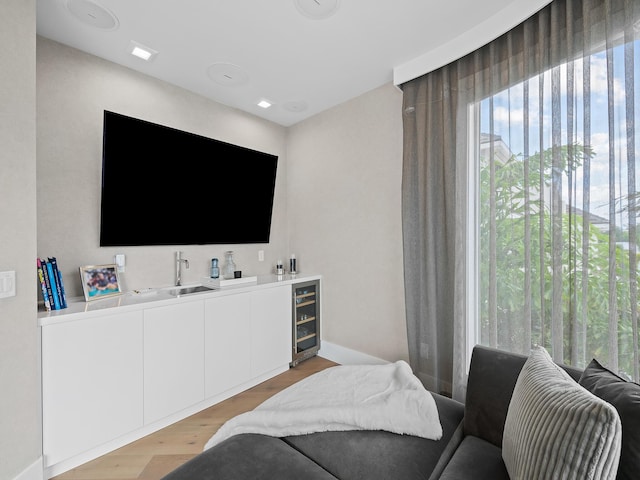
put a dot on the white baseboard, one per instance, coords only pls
(346, 356)
(35, 471)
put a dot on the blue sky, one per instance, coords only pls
(509, 121)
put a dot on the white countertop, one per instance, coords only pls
(136, 300)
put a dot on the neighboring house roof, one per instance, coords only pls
(501, 151)
(597, 221)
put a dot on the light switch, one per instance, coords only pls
(261, 255)
(8, 284)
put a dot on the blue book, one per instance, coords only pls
(63, 295)
(60, 285)
(54, 289)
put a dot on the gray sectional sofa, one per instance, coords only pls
(471, 445)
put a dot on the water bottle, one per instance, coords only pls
(215, 270)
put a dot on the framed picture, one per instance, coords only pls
(100, 281)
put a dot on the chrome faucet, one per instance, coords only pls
(179, 262)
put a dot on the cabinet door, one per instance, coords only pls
(270, 329)
(91, 383)
(173, 359)
(227, 355)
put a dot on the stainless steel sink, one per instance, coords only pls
(179, 291)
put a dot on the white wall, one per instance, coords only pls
(74, 89)
(20, 430)
(344, 197)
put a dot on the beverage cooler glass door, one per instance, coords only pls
(306, 320)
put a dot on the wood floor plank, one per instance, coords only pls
(160, 465)
(109, 467)
(153, 456)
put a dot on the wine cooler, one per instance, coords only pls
(306, 320)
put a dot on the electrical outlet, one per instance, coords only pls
(261, 255)
(119, 261)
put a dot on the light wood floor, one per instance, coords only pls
(157, 454)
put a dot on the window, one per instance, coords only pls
(557, 213)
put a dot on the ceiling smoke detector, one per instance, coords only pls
(295, 106)
(227, 74)
(92, 14)
(317, 9)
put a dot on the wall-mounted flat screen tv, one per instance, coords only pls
(164, 186)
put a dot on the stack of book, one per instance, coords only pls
(51, 284)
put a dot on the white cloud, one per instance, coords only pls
(506, 116)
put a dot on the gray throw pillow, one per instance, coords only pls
(625, 396)
(557, 429)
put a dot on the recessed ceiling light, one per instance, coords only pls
(264, 104)
(92, 14)
(227, 74)
(142, 51)
(317, 9)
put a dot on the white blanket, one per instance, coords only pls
(345, 397)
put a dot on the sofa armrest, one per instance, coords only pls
(448, 452)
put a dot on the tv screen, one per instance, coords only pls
(164, 186)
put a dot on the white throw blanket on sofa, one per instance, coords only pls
(345, 397)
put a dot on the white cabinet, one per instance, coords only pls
(91, 382)
(227, 329)
(246, 336)
(116, 374)
(270, 329)
(173, 358)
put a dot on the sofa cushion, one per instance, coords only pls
(625, 396)
(477, 459)
(376, 454)
(249, 456)
(557, 429)
(370, 454)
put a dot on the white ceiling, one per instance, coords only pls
(302, 65)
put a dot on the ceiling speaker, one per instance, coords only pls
(92, 14)
(317, 9)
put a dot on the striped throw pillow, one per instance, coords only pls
(556, 429)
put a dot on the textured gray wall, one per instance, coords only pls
(344, 209)
(20, 431)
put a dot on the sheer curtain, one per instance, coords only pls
(519, 195)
